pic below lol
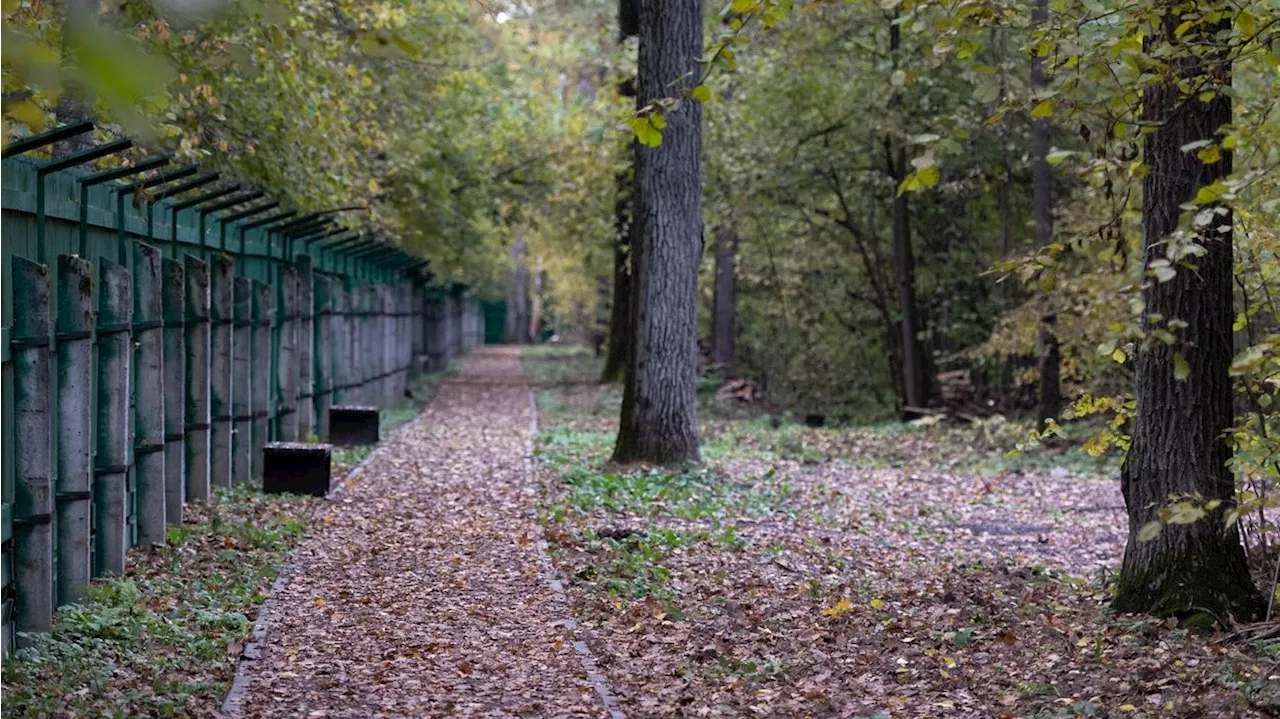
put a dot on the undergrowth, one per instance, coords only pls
(162, 640)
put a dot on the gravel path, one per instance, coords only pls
(419, 591)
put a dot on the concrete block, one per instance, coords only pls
(296, 468)
(351, 426)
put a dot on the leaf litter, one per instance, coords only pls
(800, 574)
(418, 591)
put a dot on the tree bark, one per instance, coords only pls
(724, 302)
(1178, 445)
(1048, 354)
(659, 406)
(535, 312)
(517, 318)
(915, 386)
(618, 352)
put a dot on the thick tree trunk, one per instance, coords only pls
(1178, 442)
(724, 302)
(659, 406)
(1048, 355)
(517, 318)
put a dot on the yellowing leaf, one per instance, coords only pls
(838, 609)
(28, 113)
(701, 93)
(1128, 708)
(1043, 109)
(878, 604)
(1119, 356)
(1181, 370)
(1209, 155)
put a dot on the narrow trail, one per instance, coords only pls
(420, 590)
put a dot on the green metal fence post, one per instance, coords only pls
(241, 380)
(324, 352)
(286, 345)
(149, 404)
(306, 324)
(436, 340)
(340, 321)
(196, 396)
(114, 449)
(33, 507)
(74, 426)
(174, 301)
(262, 365)
(223, 372)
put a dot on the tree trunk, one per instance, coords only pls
(1178, 442)
(618, 352)
(535, 313)
(1048, 355)
(914, 383)
(915, 387)
(517, 318)
(615, 362)
(659, 406)
(724, 302)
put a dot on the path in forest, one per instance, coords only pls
(420, 590)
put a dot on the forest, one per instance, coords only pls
(875, 358)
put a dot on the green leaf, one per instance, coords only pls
(701, 93)
(1043, 109)
(1210, 193)
(117, 67)
(1057, 156)
(1181, 370)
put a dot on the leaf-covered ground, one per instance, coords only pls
(893, 571)
(883, 572)
(419, 590)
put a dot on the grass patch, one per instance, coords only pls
(424, 388)
(163, 640)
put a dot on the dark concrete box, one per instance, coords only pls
(353, 426)
(296, 468)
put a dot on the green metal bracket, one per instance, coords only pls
(57, 134)
(47, 168)
(270, 219)
(200, 200)
(168, 192)
(118, 173)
